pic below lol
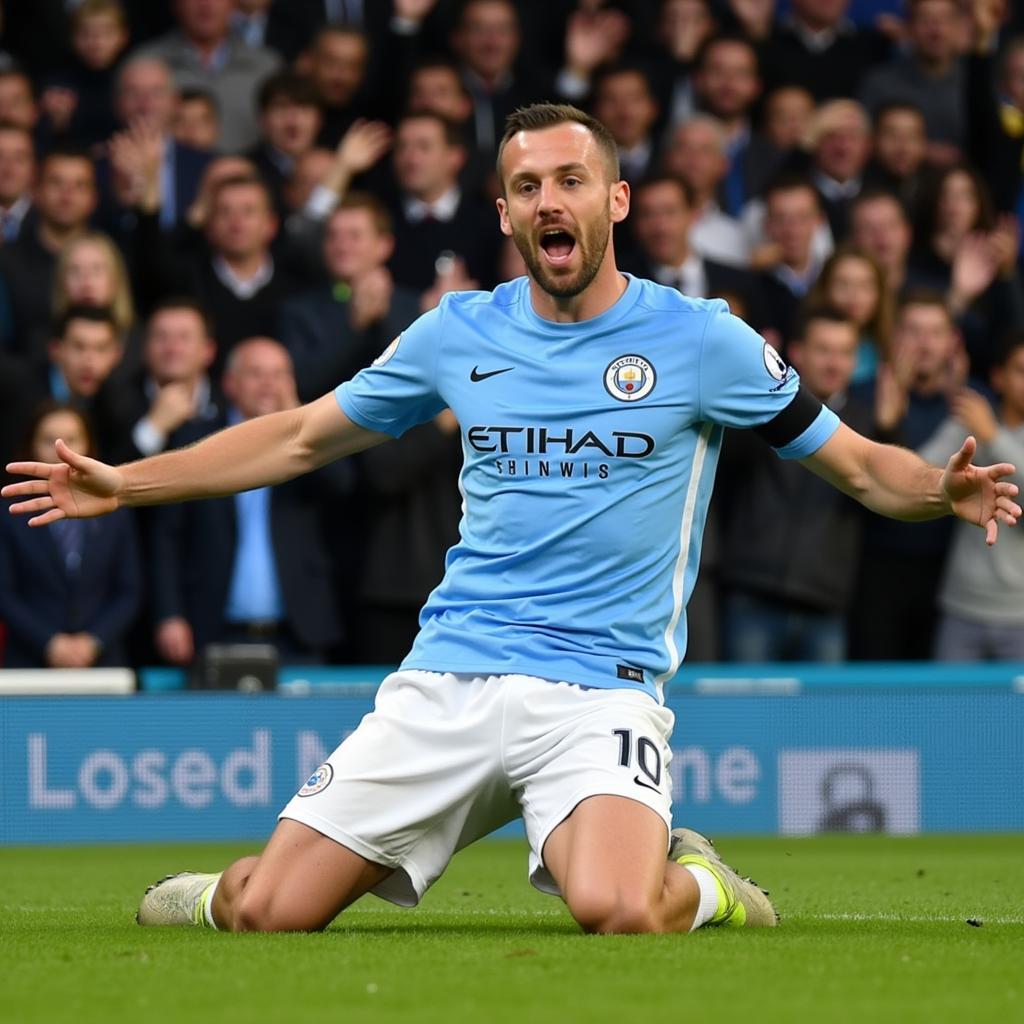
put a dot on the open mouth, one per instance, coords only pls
(558, 245)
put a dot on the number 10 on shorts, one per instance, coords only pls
(648, 757)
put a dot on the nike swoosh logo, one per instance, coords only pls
(646, 785)
(475, 374)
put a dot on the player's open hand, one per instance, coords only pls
(980, 494)
(77, 487)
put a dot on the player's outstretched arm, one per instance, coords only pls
(259, 452)
(897, 483)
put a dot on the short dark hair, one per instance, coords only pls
(48, 407)
(925, 297)
(897, 106)
(200, 96)
(289, 86)
(821, 311)
(248, 180)
(449, 129)
(664, 178)
(67, 152)
(94, 314)
(871, 195)
(539, 116)
(176, 302)
(733, 38)
(374, 206)
(790, 183)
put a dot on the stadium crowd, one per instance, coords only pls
(215, 209)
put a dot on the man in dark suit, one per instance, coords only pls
(64, 200)
(256, 566)
(432, 217)
(338, 329)
(487, 41)
(230, 269)
(146, 95)
(624, 103)
(170, 396)
(663, 211)
(17, 175)
(290, 121)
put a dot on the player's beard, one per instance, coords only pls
(592, 243)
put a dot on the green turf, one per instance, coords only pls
(874, 929)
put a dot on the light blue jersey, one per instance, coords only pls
(590, 453)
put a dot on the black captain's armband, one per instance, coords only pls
(789, 424)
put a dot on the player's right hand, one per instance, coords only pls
(77, 487)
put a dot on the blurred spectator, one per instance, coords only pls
(146, 102)
(817, 46)
(893, 616)
(254, 567)
(791, 266)
(76, 100)
(697, 155)
(338, 329)
(435, 87)
(623, 102)
(787, 118)
(170, 396)
(979, 622)
(290, 122)
(727, 85)
(91, 271)
(840, 143)
(684, 27)
(486, 41)
(230, 268)
(69, 593)
(594, 38)
(929, 76)
(963, 250)
(996, 123)
(662, 214)
(83, 353)
(432, 218)
(900, 148)
(853, 283)
(791, 541)
(17, 176)
(879, 226)
(197, 120)
(788, 114)
(202, 54)
(17, 100)
(64, 200)
(337, 64)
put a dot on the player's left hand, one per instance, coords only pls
(980, 494)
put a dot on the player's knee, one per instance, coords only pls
(611, 913)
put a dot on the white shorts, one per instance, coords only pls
(445, 759)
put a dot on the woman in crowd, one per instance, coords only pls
(855, 284)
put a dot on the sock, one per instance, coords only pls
(206, 906)
(710, 895)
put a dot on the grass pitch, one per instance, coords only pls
(874, 929)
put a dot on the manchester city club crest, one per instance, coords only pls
(629, 378)
(319, 780)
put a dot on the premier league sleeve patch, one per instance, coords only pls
(629, 378)
(318, 781)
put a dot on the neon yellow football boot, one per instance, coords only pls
(742, 902)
